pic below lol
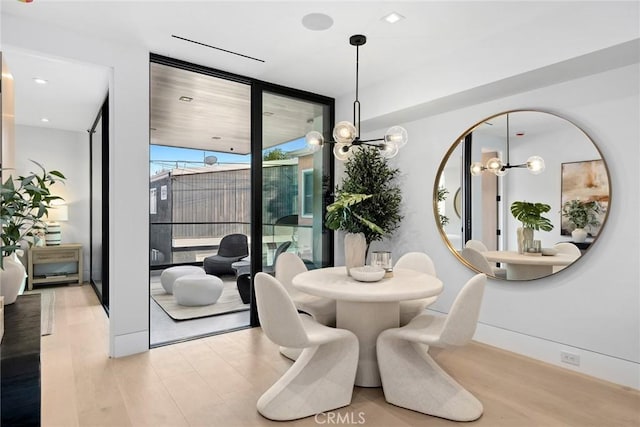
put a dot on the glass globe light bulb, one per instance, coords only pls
(344, 133)
(494, 165)
(535, 164)
(314, 140)
(501, 172)
(342, 151)
(397, 135)
(388, 150)
(476, 168)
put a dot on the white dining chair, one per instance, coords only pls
(417, 261)
(322, 377)
(411, 378)
(323, 310)
(481, 247)
(566, 248)
(478, 260)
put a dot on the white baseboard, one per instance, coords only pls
(128, 344)
(597, 365)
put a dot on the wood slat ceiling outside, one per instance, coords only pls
(220, 108)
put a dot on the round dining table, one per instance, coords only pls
(367, 308)
(528, 267)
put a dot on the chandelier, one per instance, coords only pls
(346, 135)
(535, 164)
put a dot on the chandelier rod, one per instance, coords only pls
(356, 103)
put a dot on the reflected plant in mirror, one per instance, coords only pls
(491, 205)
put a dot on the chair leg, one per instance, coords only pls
(412, 379)
(320, 380)
(290, 353)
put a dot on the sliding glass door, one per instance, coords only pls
(228, 157)
(99, 218)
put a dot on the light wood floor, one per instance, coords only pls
(216, 382)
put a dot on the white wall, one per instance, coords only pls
(591, 309)
(128, 167)
(67, 152)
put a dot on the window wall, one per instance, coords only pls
(227, 155)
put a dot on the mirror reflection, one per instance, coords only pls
(521, 195)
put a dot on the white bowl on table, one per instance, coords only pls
(367, 273)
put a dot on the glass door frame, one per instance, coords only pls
(258, 88)
(102, 118)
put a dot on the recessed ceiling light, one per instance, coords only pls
(393, 17)
(40, 81)
(185, 98)
(267, 113)
(216, 137)
(44, 120)
(317, 22)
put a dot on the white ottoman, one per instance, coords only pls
(169, 276)
(197, 289)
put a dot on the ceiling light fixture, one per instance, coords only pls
(185, 98)
(44, 120)
(393, 17)
(347, 134)
(40, 81)
(535, 164)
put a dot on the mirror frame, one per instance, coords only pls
(455, 145)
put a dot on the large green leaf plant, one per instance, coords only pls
(530, 215)
(24, 202)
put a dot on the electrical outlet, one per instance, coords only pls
(570, 358)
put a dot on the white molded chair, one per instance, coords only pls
(323, 376)
(478, 260)
(421, 262)
(477, 245)
(568, 249)
(481, 247)
(323, 310)
(411, 378)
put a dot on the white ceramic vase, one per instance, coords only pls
(523, 234)
(12, 276)
(355, 250)
(579, 235)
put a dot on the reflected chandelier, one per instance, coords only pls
(347, 134)
(535, 164)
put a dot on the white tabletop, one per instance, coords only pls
(334, 283)
(511, 257)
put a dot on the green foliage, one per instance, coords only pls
(530, 214)
(369, 199)
(275, 154)
(442, 196)
(23, 203)
(582, 214)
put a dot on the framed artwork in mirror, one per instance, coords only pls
(586, 181)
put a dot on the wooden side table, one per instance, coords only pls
(65, 253)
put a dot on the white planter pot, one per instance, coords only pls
(355, 250)
(523, 234)
(579, 235)
(12, 276)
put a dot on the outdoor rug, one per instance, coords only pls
(47, 305)
(229, 302)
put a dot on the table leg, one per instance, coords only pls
(366, 320)
(528, 272)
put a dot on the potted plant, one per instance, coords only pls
(442, 196)
(367, 204)
(24, 202)
(530, 215)
(581, 215)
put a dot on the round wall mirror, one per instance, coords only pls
(521, 195)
